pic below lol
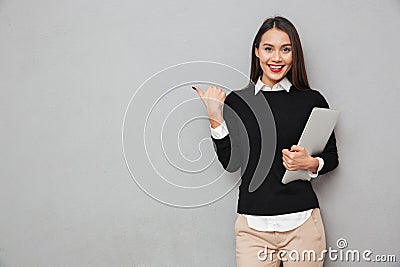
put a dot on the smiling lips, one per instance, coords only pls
(275, 68)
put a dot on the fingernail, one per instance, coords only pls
(193, 88)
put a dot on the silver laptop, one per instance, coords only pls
(314, 138)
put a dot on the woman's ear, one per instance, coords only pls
(256, 51)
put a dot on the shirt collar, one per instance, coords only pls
(283, 84)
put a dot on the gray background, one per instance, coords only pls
(67, 72)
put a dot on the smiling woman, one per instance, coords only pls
(281, 217)
(275, 56)
(278, 43)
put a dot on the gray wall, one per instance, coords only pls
(68, 70)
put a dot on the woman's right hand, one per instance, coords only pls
(213, 99)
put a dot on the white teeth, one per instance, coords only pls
(276, 67)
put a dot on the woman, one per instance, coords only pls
(277, 222)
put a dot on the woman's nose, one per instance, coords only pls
(277, 56)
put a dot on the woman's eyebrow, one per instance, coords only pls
(288, 44)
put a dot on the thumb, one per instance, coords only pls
(296, 148)
(198, 90)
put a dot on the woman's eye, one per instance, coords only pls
(268, 49)
(286, 49)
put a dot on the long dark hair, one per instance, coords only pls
(297, 74)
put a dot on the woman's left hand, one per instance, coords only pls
(299, 159)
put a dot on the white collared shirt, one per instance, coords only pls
(279, 223)
(283, 84)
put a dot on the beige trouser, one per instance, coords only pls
(302, 246)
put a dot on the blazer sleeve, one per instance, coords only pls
(228, 148)
(330, 152)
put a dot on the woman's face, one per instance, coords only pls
(275, 54)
